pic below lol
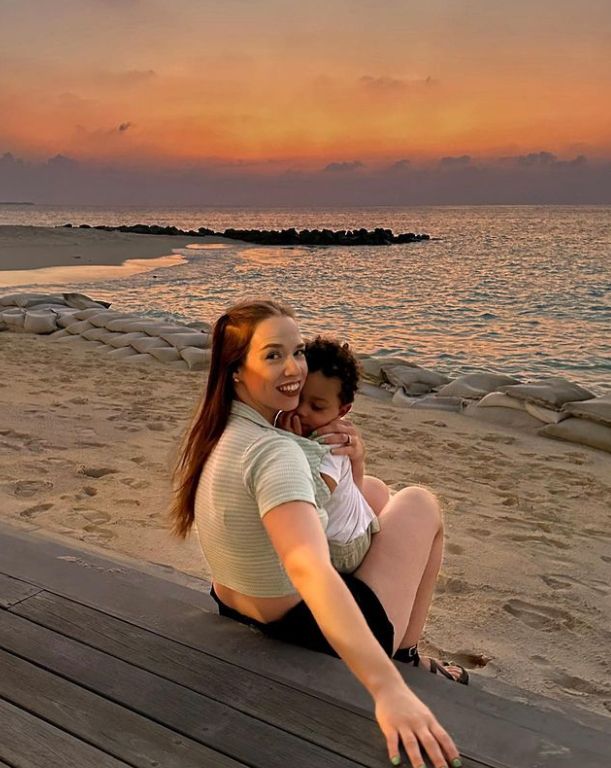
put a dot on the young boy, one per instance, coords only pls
(328, 393)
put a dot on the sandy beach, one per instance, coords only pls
(86, 450)
(87, 444)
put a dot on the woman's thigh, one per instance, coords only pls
(399, 553)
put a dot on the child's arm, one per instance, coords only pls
(346, 440)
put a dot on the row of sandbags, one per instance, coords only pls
(552, 407)
(79, 321)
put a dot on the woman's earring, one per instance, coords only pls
(236, 380)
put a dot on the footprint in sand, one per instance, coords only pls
(563, 581)
(577, 685)
(31, 512)
(540, 617)
(89, 490)
(133, 482)
(24, 488)
(455, 549)
(479, 533)
(97, 472)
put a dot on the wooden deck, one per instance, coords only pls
(107, 663)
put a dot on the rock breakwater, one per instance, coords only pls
(291, 236)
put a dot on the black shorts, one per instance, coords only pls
(299, 627)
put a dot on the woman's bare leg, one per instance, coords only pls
(403, 562)
(376, 493)
(398, 560)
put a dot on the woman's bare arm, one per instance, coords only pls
(297, 536)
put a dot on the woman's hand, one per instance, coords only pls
(405, 720)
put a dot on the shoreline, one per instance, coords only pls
(86, 447)
(25, 248)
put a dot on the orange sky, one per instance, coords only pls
(281, 84)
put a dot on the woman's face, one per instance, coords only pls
(275, 368)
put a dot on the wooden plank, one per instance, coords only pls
(26, 742)
(218, 726)
(13, 590)
(179, 615)
(108, 726)
(353, 735)
(97, 579)
(277, 704)
(178, 612)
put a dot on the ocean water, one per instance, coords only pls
(519, 290)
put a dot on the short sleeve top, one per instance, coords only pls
(252, 469)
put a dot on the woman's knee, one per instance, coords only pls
(416, 500)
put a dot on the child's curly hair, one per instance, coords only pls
(335, 361)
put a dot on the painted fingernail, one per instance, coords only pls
(457, 763)
(396, 760)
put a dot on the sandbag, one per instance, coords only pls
(67, 318)
(200, 325)
(371, 367)
(124, 339)
(183, 340)
(413, 379)
(166, 355)
(78, 327)
(94, 334)
(80, 301)
(26, 300)
(141, 360)
(108, 337)
(122, 353)
(85, 314)
(370, 390)
(14, 319)
(503, 417)
(106, 316)
(197, 359)
(40, 322)
(501, 400)
(145, 343)
(552, 392)
(59, 334)
(580, 431)
(437, 403)
(474, 386)
(546, 415)
(597, 409)
(159, 327)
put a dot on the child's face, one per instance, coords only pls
(319, 402)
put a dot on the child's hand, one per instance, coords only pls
(290, 422)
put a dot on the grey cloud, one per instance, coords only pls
(455, 162)
(343, 167)
(64, 181)
(400, 165)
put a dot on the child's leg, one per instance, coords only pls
(376, 493)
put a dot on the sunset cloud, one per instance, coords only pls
(239, 85)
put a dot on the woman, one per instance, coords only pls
(251, 491)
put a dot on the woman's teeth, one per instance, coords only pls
(290, 389)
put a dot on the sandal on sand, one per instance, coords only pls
(411, 656)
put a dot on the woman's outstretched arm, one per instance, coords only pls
(297, 536)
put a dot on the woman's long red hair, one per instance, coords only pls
(230, 341)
